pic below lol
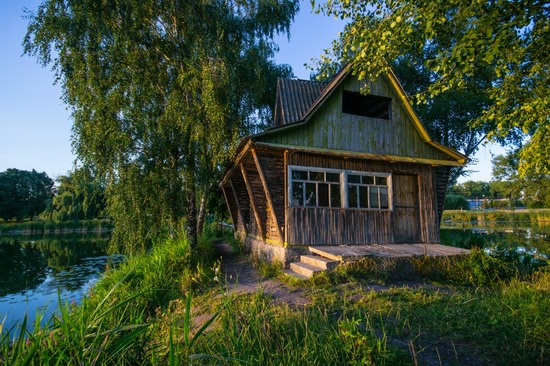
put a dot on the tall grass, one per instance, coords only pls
(86, 335)
(530, 217)
(112, 325)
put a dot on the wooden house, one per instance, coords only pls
(338, 168)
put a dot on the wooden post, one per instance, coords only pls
(287, 199)
(267, 194)
(252, 201)
(238, 207)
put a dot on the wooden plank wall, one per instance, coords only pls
(334, 226)
(337, 226)
(441, 180)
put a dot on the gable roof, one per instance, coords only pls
(294, 98)
(296, 109)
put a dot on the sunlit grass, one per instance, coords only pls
(166, 308)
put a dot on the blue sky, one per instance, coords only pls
(35, 125)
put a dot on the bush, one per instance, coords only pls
(456, 202)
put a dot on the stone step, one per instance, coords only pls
(304, 269)
(320, 262)
(291, 273)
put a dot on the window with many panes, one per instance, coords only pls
(315, 188)
(367, 191)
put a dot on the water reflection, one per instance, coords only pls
(35, 269)
(528, 246)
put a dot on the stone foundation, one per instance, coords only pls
(272, 253)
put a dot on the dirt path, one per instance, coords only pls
(242, 278)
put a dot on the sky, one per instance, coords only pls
(35, 124)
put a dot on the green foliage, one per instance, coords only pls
(465, 39)
(160, 92)
(533, 188)
(532, 217)
(87, 334)
(487, 269)
(472, 189)
(448, 116)
(163, 274)
(24, 194)
(456, 202)
(356, 323)
(79, 197)
(280, 335)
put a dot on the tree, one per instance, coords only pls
(160, 91)
(534, 188)
(448, 117)
(471, 189)
(456, 202)
(467, 38)
(79, 197)
(24, 194)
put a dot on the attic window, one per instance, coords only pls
(366, 105)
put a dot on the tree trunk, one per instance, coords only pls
(191, 220)
(202, 213)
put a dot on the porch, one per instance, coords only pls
(355, 252)
(326, 258)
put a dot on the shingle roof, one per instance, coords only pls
(294, 98)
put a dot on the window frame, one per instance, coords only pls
(358, 101)
(388, 185)
(291, 168)
(344, 174)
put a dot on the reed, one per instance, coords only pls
(494, 217)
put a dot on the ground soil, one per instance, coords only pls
(242, 278)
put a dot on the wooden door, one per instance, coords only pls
(406, 213)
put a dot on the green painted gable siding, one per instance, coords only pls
(329, 128)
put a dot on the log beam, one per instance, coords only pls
(267, 194)
(229, 207)
(240, 212)
(261, 230)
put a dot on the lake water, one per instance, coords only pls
(529, 245)
(34, 270)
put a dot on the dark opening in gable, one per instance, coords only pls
(366, 105)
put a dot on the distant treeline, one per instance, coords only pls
(53, 227)
(532, 216)
(30, 195)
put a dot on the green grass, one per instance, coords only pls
(165, 308)
(530, 216)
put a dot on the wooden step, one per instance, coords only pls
(305, 269)
(319, 262)
(325, 253)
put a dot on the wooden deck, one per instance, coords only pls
(356, 252)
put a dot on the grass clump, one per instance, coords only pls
(251, 330)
